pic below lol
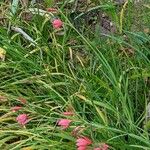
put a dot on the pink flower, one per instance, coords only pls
(82, 148)
(83, 141)
(64, 123)
(22, 119)
(57, 23)
(16, 108)
(105, 147)
(68, 113)
(97, 148)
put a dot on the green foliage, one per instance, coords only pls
(103, 80)
(49, 3)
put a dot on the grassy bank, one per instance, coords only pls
(103, 79)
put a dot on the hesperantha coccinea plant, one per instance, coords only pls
(74, 75)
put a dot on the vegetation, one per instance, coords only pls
(92, 74)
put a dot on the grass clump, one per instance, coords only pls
(95, 78)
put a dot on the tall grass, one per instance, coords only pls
(104, 80)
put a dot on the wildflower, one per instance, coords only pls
(83, 142)
(97, 148)
(16, 108)
(68, 113)
(22, 119)
(82, 148)
(104, 146)
(64, 123)
(57, 23)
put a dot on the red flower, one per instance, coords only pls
(83, 142)
(57, 23)
(68, 113)
(22, 119)
(64, 123)
(16, 108)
